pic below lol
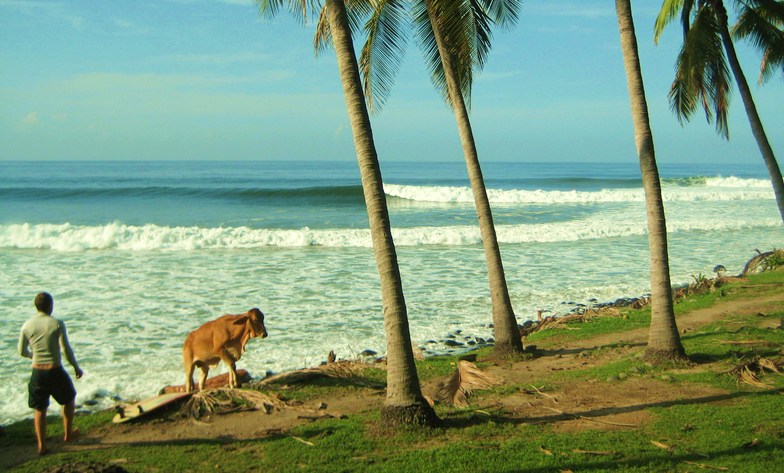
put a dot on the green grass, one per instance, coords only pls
(742, 430)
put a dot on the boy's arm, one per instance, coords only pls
(24, 346)
(69, 354)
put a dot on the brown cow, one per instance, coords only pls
(221, 339)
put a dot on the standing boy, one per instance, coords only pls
(42, 339)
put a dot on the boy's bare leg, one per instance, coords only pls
(68, 415)
(40, 430)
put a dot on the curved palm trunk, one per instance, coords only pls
(507, 334)
(404, 403)
(663, 339)
(751, 109)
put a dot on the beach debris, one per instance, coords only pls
(663, 446)
(213, 382)
(346, 370)
(595, 452)
(466, 379)
(224, 401)
(764, 261)
(706, 467)
(750, 371)
(301, 440)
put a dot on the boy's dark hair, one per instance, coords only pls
(44, 302)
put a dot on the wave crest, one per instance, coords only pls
(117, 236)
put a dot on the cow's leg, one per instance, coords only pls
(232, 364)
(205, 369)
(187, 361)
(189, 377)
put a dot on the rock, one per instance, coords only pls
(453, 343)
(368, 353)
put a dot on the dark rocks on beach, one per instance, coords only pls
(453, 343)
(368, 353)
(480, 340)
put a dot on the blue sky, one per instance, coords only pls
(210, 79)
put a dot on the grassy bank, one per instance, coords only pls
(643, 418)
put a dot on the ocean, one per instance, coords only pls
(138, 254)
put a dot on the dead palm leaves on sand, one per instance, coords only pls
(224, 401)
(750, 371)
(467, 378)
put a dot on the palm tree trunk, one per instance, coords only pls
(404, 403)
(751, 109)
(507, 334)
(663, 338)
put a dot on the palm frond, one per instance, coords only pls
(384, 50)
(760, 22)
(466, 379)
(504, 13)
(423, 30)
(702, 75)
(322, 38)
(301, 9)
(669, 10)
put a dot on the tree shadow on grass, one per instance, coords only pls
(472, 420)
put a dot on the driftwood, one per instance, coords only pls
(212, 383)
(342, 369)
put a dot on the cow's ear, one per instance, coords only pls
(241, 320)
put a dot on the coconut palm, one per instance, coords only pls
(702, 75)
(404, 404)
(454, 36)
(664, 341)
(761, 22)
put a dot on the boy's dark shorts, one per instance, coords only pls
(44, 383)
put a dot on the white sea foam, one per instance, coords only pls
(117, 236)
(737, 182)
(718, 189)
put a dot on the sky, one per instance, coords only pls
(213, 80)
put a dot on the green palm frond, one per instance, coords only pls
(301, 9)
(384, 49)
(502, 12)
(760, 22)
(669, 10)
(702, 76)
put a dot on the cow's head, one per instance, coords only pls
(256, 320)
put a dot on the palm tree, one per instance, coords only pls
(761, 22)
(404, 404)
(702, 75)
(664, 342)
(455, 37)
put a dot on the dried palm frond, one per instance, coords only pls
(750, 371)
(467, 378)
(222, 401)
